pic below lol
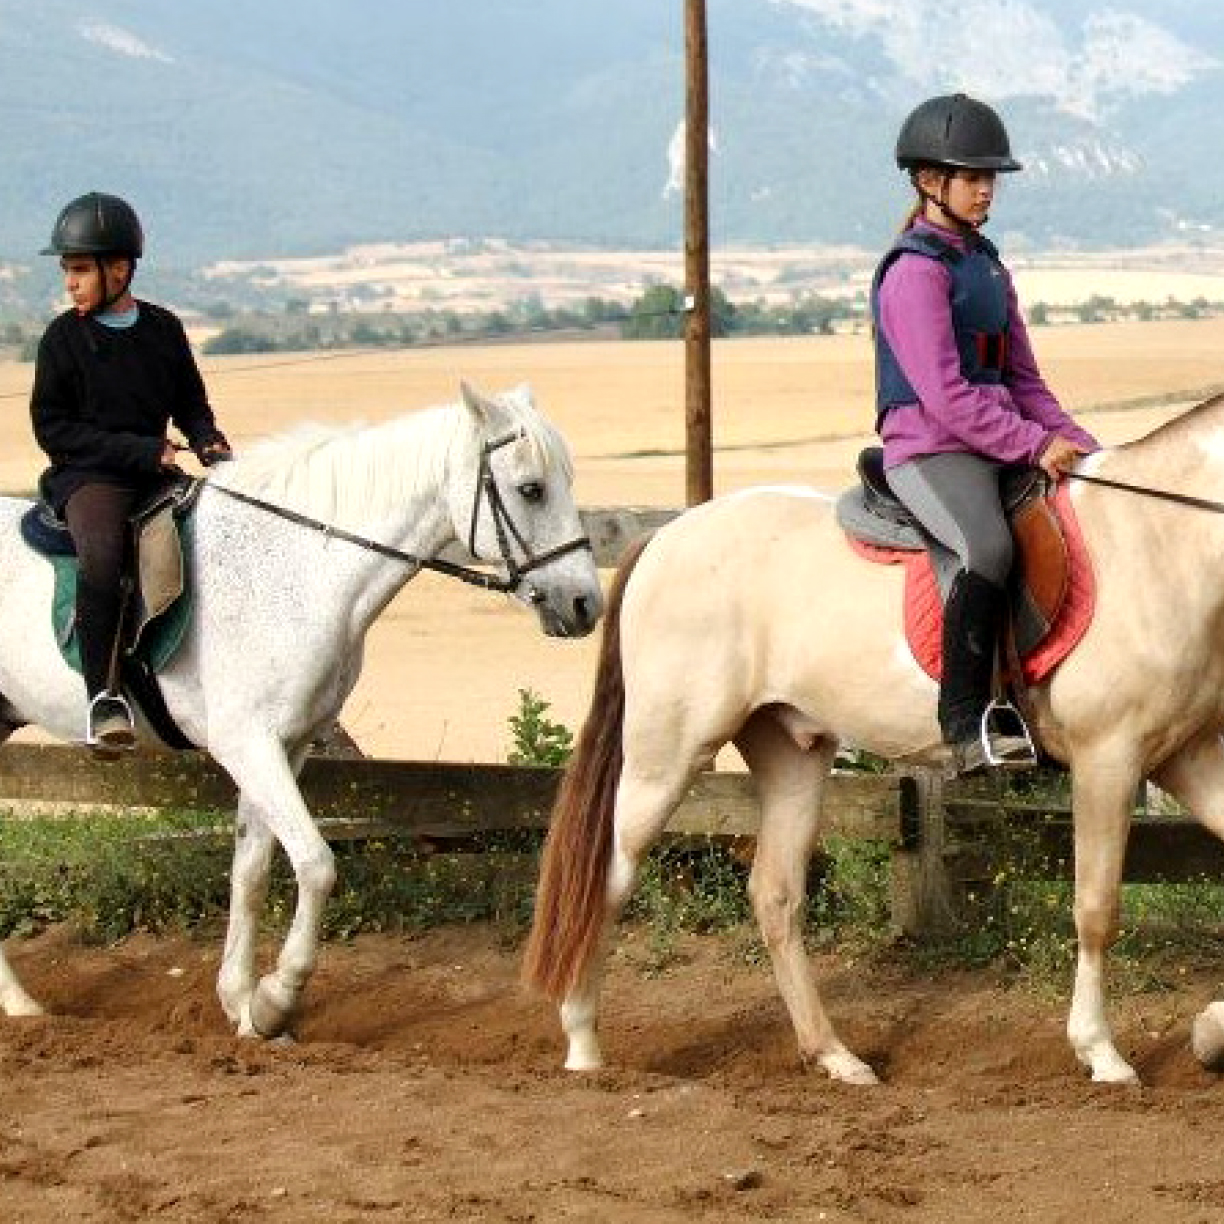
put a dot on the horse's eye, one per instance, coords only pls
(531, 491)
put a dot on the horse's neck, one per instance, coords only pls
(1165, 542)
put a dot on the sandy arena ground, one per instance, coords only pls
(426, 1086)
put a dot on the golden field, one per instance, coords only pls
(445, 662)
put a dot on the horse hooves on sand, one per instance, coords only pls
(846, 1068)
(1207, 1037)
(264, 1015)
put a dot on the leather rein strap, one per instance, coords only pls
(503, 524)
(1181, 499)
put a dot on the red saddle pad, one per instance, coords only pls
(923, 607)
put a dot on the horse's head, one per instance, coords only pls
(512, 505)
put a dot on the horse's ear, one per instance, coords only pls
(484, 410)
(476, 404)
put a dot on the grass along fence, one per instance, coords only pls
(944, 840)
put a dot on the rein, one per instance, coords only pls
(1181, 499)
(503, 524)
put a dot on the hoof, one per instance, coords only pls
(1207, 1037)
(269, 1011)
(844, 1067)
(583, 1064)
(1107, 1066)
(27, 1007)
(851, 1070)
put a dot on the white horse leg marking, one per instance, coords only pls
(263, 773)
(14, 1000)
(789, 781)
(253, 845)
(13, 997)
(1194, 776)
(1103, 789)
(642, 809)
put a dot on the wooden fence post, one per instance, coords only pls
(922, 896)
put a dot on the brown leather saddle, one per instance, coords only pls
(873, 515)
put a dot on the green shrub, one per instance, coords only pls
(537, 739)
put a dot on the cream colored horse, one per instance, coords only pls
(749, 620)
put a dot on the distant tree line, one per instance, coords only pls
(296, 328)
(657, 314)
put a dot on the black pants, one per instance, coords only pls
(97, 515)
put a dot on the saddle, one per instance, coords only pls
(1051, 591)
(160, 600)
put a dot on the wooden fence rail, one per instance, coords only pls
(941, 835)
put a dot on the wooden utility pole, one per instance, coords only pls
(699, 461)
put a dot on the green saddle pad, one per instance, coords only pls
(161, 637)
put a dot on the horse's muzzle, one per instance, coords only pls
(574, 620)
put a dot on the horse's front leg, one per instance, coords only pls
(1103, 791)
(1194, 776)
(253, 845)
(267, 781)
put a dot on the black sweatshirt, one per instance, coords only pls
(104, 397)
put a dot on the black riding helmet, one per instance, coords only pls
(954, 130)
(97, 224)
(101, 226)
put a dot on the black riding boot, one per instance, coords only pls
(109, 723)
(973, 617)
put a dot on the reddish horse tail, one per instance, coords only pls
(571, 898)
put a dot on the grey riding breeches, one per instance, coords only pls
(955, 497)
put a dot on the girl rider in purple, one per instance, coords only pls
(959, 397)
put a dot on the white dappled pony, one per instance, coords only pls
(282, 609)
(749, 620)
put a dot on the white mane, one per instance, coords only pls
(350, 474)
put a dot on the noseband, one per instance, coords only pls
(503, 525)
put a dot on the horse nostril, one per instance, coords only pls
(582, 612)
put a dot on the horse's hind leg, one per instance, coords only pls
(13, 997)
(14, 1000)
(252, 862)
(789, 781)
(644, 801)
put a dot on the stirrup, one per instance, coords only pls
(1006, 742)
(109, 726)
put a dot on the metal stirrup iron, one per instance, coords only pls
(1006, 742)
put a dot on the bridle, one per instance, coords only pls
(503, 524)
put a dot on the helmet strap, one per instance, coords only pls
(109, 299)
(941, 201)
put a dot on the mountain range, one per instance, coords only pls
(257, 128)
